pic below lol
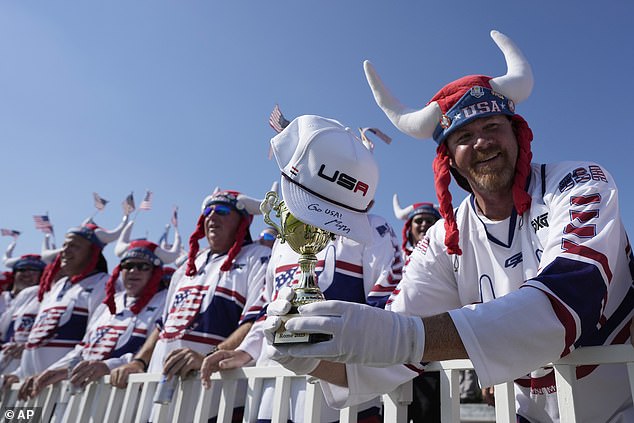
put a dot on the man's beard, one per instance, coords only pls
(494, 178)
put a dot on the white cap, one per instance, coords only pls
(328, 176)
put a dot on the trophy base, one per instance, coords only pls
(282, 336)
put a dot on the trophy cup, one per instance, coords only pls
(306, 240)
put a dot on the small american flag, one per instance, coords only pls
(277, 120)
(146, 204)
(100, 203)
(128, 205)
(10, 232)
(380, 134)
(43, 224)
(174, 220)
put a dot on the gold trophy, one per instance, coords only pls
(306, 240)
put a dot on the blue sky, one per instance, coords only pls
(174, 97)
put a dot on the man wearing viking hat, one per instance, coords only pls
(122, 323)
(17, 319)
(533, 264)
(67, 303)
(214, 297)
(418, 217)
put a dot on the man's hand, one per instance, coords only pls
(488, 395)
(13, 350)
(182, 361)
(25, 390)
(9, 379)
(88, 371)
(222, 360)
(401, 340)
(119, 375)
(47, 377)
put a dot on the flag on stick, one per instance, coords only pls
(10, 232)
(100, 203)
(174, 220)
(128, 204)
(277, 120)
(43, 223)
(146, 204)
(380, 134)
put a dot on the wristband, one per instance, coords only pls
(140, 360)
(213, 350)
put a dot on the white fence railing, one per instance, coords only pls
(100, 402)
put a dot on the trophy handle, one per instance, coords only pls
(271, 202)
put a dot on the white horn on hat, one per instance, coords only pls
(251, 205)
(416, 123)
(517, 84)
(398, 211)
(49, 252)
(123, 242)
(109, 236)
(168, 256)
(7, 258)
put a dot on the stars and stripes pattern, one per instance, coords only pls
(128, 204)
(146, 204)
(183, 311)
(100, 203)
(45, 325)
(376, 131)
(43, 223)
(10, 232)
(277, 120)
(174, 220)
(102, 342)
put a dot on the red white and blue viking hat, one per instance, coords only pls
(26, 261)
(98, 238)
(246, 206)
(140, 249)
(329, 177)
(457, 104)
(408, 213)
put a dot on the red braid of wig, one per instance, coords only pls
(48, 275)
(241, 232)
(524, 135)
(442, 179)
(198, 233)
(110, 290)
(405, 233)
(149, 290)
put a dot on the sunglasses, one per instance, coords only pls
(219, 209)
(142, 267)
(268, 237)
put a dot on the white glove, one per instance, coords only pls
(361, 334)
(280, 307)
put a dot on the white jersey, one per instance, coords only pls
(16, 323)
(5, 301)
(61, 321)
(570, 256)
(203, 310)
(346, 270)
(116, 338)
